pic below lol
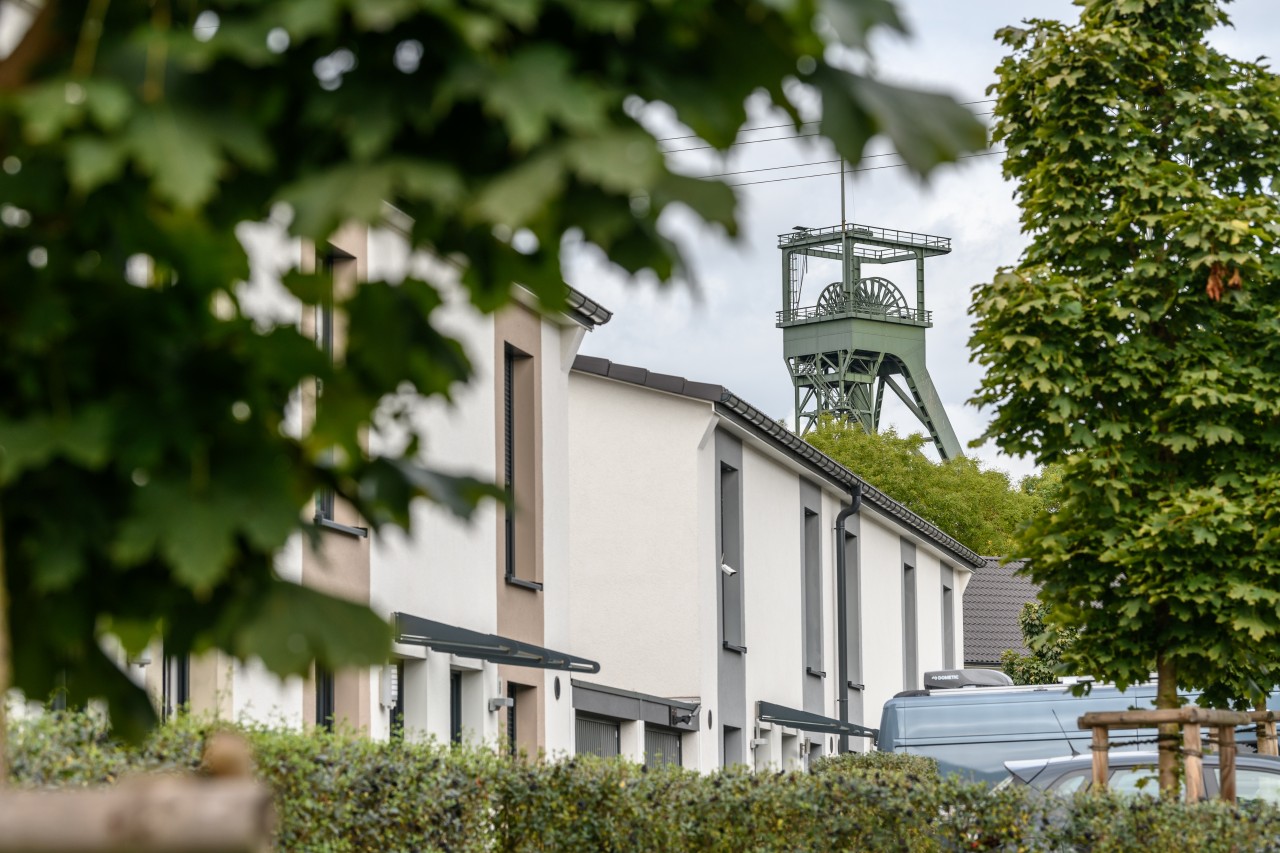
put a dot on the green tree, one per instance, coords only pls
(1136, 339)
(1043, 664)
(146, 478)
(977, 505)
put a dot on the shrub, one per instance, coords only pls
(876, 764)
(336, 793)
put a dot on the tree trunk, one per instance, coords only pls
(1170, 734)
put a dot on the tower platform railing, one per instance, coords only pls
(868, 232)
(853, 308)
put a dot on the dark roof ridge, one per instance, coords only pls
(781, 436)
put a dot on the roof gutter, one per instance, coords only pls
(842, 607)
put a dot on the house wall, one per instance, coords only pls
(636, 516)
(880, 558)
(633, 590)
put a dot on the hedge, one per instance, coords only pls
(335, 792)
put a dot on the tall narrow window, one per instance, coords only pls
(853, 611)
(175, 685)
(948, 618)
(335, 264)
(732, 603)
(324, 698)
(910, 666)
(519, 522)
(511, 720)
(812, 557)
(455, 707)
(397, 701)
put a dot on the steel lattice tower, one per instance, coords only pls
(860, 335)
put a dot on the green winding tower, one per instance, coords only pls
(859, 335)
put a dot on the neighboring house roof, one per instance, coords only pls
(742, 412)
(585, 310)
(992, 601)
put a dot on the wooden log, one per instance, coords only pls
(1266, 722)
(1267, 743)
(1100, 746)
(1163, 716)
(160, 815)
(1227, 763)
(1194, 765)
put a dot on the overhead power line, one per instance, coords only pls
(848, 171)
(755, 141)
(815, 121)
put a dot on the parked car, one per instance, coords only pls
(1257, 776)
(973, 731)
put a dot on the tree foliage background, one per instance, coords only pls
(146, 477)
(1136, 339)
(976, 504)
(1046, 648)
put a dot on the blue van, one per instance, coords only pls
(973, 731)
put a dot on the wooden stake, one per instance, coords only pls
(1267, 740)
(1227, 763)
(1100, 746)
(1266, 728)
(1194, 762)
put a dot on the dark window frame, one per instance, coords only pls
(811, 571)
(175, 685)
(948, 618)
(326, 699)
(455, 706)
(732, 593)
(512, 564)
(396, 728)
(910, 619)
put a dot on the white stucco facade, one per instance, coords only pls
(649, 539)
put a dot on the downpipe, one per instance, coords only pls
(842, 609)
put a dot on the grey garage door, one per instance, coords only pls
(661, 746)
(597, 737)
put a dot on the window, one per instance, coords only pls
(812, 561)
(1253, 784)
(336, 265)
(948, 618)
(731, 598)
(519, 520)
(397, 701)
(910, 666)
(175, 685)
(1071, 782)
(512, 749)
(853, 613)
(455, 707)
(324, 698)
(1142, 779)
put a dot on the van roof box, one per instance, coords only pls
(951, 678)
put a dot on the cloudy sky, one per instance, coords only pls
(724, 332)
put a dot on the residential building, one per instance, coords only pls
(705, 579)
(479, 608)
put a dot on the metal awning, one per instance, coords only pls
(807, 721)
(416, 631)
